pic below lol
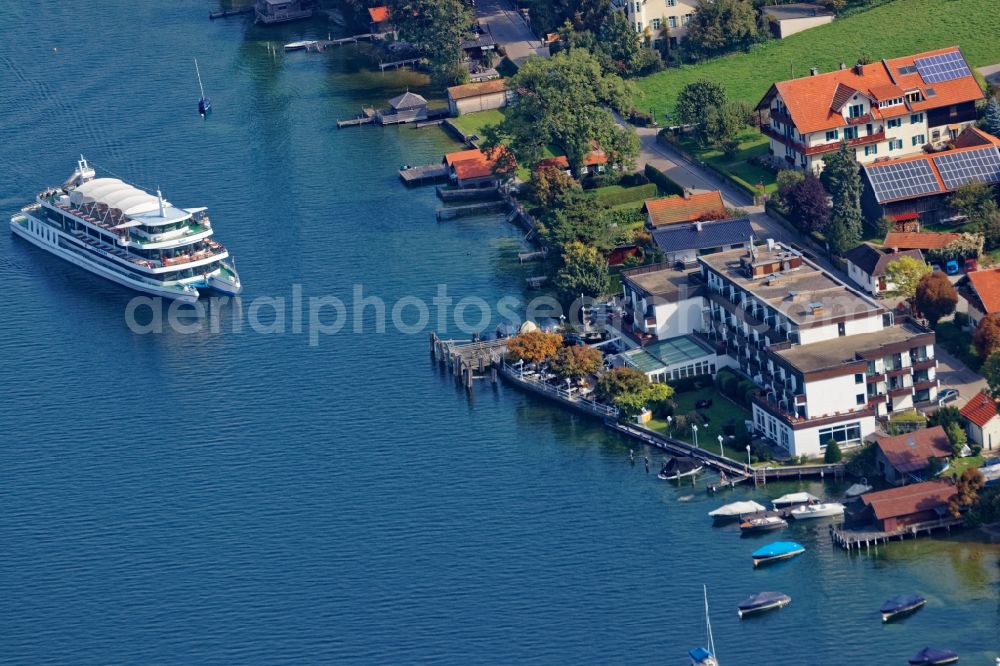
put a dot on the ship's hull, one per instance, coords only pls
(188, 294)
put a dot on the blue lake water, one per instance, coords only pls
(242, 497)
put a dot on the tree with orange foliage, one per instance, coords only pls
(533, 347)
(577, 361)
(966, 491)
(987, 335)
(935, 297)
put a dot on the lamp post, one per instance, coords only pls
(670, 421)
(748, 457)
(694, 429)
(721, 454)
(520, 368)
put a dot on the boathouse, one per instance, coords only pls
(909, 505)
(406, 108)
(907, 457)
(474, 168)
(472, 97)
(279, 11)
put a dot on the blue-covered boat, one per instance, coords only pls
(933, 657)
(763, 601)
(901, 605)
(779, 550)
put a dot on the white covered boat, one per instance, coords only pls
(129, 236)
(735, 510)
(824, 510)
(792, 499)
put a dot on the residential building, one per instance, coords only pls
(559, 162)
(661, 19)
(279, 11)
(866, 267)
(982, 422)
(661, 302)
(380, 20)
(829, 359)
(918, 187)
(789, 19)
(907, 458)
(918, 240)
(890, 108)
(688, 208)
(898, 508)
(981, 289)
(684, 243)
(472, 97)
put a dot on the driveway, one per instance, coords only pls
(510, 30)
(952, 373)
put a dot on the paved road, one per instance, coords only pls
(509, 30)
(953, 374)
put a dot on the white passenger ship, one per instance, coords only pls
(128, 236)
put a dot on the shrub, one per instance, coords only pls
(961, 319)
(664, 183)
(685, 384)
(640, 118)
(833, 453)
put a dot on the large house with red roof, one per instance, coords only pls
(982, 421)
(887, 108)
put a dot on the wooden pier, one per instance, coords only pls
(531, 256)
(851, 540)
(452, 212)
(367, 117)
(230, 12)
(396, 64)
(469, 360)
(321, 44)
(536, 281)
(423, 174)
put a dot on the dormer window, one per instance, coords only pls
(890, 102)
(913, 96)
(856, 111)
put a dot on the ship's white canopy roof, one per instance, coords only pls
(737, 509)
(133, 202)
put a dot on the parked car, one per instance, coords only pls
(935, 268)
(947, 395)
(971, 265)
(951, 268)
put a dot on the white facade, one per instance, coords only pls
(811, 442)
(660, 19)
(988, 436)
(662, 317)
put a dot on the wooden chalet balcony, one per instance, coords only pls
(860, 120)
(769, 131)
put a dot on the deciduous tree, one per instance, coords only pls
(905, 273)
(722, 26)
(974, 201)
(966, 491)
(575, 216)
(584, 272)
(934, 297)
(620, 380)
(435, 28)
(944, 417)
(987, 336)
(562, 102)
(550, 183)
(576, 361)
(807, 204)
(533, 347)
(990, 371)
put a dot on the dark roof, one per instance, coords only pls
(906, 500)
(407, 100)
(873, 261)
(912, 451)
(796, 10)
(701, 235)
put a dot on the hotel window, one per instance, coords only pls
(918, 140)
(860, 398)
(859, 378)
(655, 23)
(894, 122)
(916, 118)
(672, 21)
(856, 111)
(832, 135)
(872, 149)
(849, 433)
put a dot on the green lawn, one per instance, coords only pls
(959, 465)
(738, 165)
(719, 414)
(473, 123)
(899, 28)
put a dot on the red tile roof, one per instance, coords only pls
(378, 14)
(973, 136)
(981, 409)
(906, 500)
(559, 162)
(918, 240)
(469, 164)
(467, 90)
(814, 102)
(987, 286)
(912, 451)
(595, 157)
(673, 210)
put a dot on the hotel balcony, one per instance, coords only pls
(767, 130)
(924, 364)
(875, 379)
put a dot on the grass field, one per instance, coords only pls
(738, 165)
(473, 123)
(719, 414)
(896, 29)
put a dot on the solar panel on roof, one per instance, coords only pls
(943, 67)
(904, 180)
(980, 166)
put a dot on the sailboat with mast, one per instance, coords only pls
(204, 103)
(705, 656)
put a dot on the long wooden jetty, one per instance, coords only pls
(223, 13)
(423, 174)
(849, 539)
(321, 44)
(366, 118)
(451, 212)
(396, 64)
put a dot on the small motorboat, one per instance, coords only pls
(792, 499)
(735, 510)
(823, 510)
(933, 657)
(680, 467)
(779, 550)
(901, 605)
(762, 601)
(858, 489)
(762, 524)
(298, 46)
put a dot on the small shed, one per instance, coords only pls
(982, 421)
(789, 19)
(907, 457)
(406, 108)
(472, 97)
